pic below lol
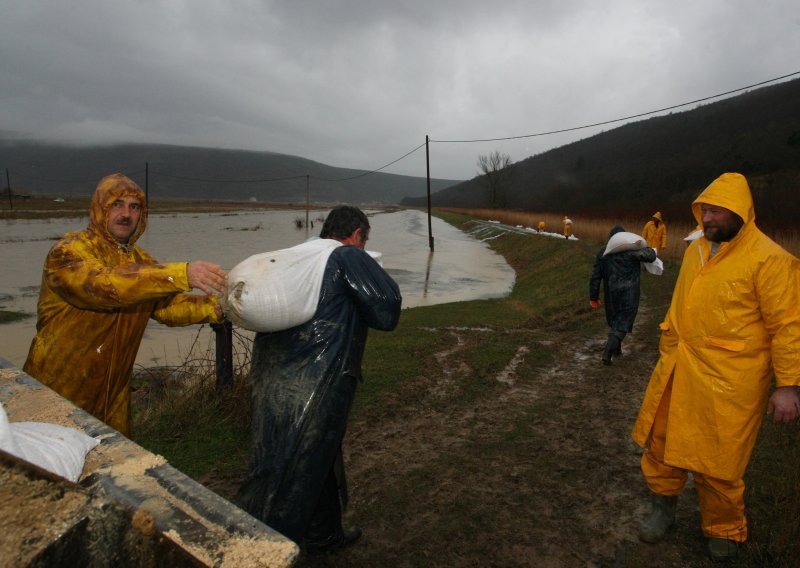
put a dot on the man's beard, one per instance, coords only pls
(723, 233)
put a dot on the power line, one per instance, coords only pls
(623, 118)
(375, 170)
(261, 180)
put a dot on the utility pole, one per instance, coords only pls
(8, 184)
(308, 183)
(428, 170)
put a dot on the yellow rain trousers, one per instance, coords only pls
(656, 237)
(96, 298)
(734, 321)
(567, 227)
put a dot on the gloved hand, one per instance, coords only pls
(594, 303)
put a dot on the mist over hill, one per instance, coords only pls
(661, 163)
(200, 173)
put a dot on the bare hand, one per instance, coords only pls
(784, 405)
(208, 277)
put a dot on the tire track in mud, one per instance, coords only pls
(577, 470)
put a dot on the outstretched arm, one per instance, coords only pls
(206, 276)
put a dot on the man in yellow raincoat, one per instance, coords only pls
(734, 321)
(98, 292)
(567, 222)
(655, 232)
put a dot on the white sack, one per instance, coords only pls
(278, 290)
(56, 448)
(694, 235)
(623, 241)
(656, 267)
(7, 442)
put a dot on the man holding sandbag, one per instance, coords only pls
(617, 265)
(303, 382)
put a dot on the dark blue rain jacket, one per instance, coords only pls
(620, 273)
(303, 382)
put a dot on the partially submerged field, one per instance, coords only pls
(487, 433)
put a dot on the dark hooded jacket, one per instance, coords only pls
(303, 382)
(620, 273)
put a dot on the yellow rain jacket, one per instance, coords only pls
(567, 222)
(656, 237)
(96, 298)
(733, 322)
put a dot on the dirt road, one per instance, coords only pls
(539, 470)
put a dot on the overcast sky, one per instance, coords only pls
(361, 83)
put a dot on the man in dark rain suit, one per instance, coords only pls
(620, 274)
(303, 382)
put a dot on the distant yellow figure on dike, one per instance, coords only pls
(567, 222)
(540, 228)
(655, 232)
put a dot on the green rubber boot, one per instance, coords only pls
(662, 517)
(722, 549)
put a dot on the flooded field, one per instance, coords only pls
(461, 268)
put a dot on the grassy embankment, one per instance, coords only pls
(413, 372)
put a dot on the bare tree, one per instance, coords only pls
(496, 172)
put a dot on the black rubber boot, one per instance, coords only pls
(612, 346)
(662, 517)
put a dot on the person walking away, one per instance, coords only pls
(98, 292)
(567, 222)
(303, 382)
(620, 274)
(541, 227)
(733, 323)
(655, 232)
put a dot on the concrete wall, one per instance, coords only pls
(130, 506)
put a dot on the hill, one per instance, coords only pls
(661, 163)
(200, 173)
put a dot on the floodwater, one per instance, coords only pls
(461, 268)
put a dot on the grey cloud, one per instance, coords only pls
(358, 84)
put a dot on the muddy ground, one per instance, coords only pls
(433, 483)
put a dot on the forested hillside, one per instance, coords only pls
(662, 163)
(203, 173)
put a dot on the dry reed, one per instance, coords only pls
(597, 229)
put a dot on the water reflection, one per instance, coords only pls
(460, 269)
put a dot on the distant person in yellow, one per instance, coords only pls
(567, 222)
(734, 321)
(541, 227)
(98, 292)
(655, 232)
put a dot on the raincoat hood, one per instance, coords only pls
(729, 191)
(657, 216)
(111, 188)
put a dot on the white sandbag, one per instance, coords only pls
(656, 267)
(693, 236)
(277, 290)
(623, 241)
(53, 447)
(7, 442)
